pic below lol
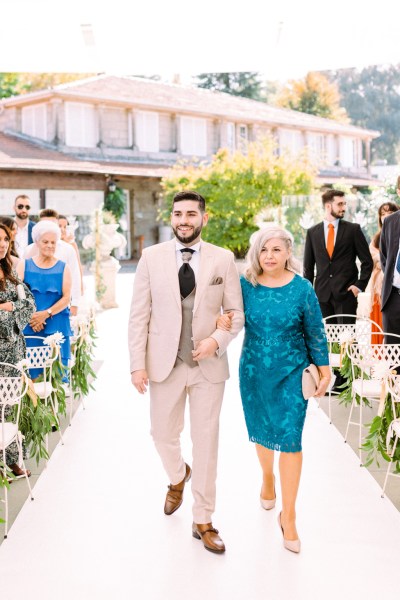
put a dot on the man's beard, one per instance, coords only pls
(23, 217)
(191, 238)
(336, 215)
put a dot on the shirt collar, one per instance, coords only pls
(334, 223)
(195, 247)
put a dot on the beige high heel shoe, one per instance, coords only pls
(268, 504)
(292, 545)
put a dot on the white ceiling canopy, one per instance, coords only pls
(281, 40)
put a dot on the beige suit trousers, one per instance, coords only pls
(167, 409)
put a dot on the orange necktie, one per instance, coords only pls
(330, 240)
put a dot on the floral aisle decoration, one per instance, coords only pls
(82, 347)
(36, 419)
(378, 440)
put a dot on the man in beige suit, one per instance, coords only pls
(180, 289)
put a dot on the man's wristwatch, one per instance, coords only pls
(49, 312)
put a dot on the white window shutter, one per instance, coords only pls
(193, 136)
(81, 127)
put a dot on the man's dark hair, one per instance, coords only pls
(48, 213)
(189, 195)
(329, 195)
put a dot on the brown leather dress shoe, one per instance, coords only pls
(174, 497)
(209, 536)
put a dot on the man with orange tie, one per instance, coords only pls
(333, 247)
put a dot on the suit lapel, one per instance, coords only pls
(321, 238)
(205, 271)
(170, 268)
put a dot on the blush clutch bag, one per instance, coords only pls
(310, 381)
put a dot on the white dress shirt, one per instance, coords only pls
(67, 254)
(21, 239)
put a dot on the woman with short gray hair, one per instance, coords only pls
(50, 282)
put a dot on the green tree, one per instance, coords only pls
(8, 84)
(237, 187)
(313, 95)
(371, 97)
(245, 83)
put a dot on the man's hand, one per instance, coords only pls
(73, 311)
(140, 380)
(354, 289)
(205, 349)
(224, 322)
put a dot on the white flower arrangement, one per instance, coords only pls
(382, 370)
(56, 339)
(360, 219)
(306, 220)
(346, 337)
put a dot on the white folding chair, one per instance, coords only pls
(12, 389)
(43, 357)
(393, 384)
(339, 335)
(374, 361)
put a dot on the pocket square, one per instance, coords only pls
(216, 281)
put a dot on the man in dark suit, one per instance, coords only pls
(333, 246)
(390, 261)
(23, 238)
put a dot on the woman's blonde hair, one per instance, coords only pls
(257, 241)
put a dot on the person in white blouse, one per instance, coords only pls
(64, 252)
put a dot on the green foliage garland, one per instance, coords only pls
(82, 370)
(375, 441)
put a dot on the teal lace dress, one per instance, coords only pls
(284, 333)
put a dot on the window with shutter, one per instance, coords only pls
(193, 134)
(33, 121)
(81, 125)
(230, 136)
(147, 136)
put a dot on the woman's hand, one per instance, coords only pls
(322, 388)
(325, 380)
(224, 322)
(38, 320)
(7, 306)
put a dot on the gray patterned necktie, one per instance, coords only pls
(186, 276)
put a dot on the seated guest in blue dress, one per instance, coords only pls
(284, 333)
(49, 279)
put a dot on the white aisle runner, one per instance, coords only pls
(96, 529)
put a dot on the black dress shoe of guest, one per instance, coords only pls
(209, 536)
(174, 497)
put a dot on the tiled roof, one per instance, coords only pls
(138, 92)
(19, 154)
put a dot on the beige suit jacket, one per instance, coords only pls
(156, 310)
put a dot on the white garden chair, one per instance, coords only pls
(375, 361)
(393, 385)
(12, 390)
(43, 357)
(342, 334)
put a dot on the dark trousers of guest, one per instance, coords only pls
(391, 316)
(348, 306)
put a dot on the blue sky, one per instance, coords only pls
(282, 39)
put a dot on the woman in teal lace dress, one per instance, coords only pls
(284, 333)
(15, 313)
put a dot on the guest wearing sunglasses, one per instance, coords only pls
(23, 237)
